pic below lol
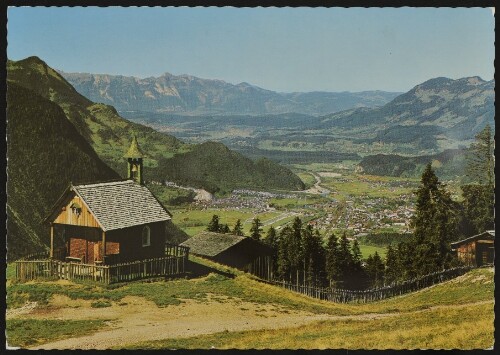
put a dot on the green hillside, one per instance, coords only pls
(110, 135)
(216, 168)
(40, 144)
(448, 164)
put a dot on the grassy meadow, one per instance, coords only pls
(439, 317)
(193, 221)
(366, 250)
(436, 317)
(434, 329)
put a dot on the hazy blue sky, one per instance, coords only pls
(279, 49)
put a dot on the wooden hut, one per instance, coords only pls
(240, 252)
(477, 250)
(108, 222)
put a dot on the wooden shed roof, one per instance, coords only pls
(488, 235)
(211, 244)
(119, 204)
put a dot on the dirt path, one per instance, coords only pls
(138, 320)
(141, 320)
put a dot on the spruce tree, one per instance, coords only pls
(392, 266)
(273, 241)
(213, 225)
(225, 229)
(480, 158)
(435, 224)
(238, 228)
(295, 248)
(356, 255)
(283, 261)
(271, 237)
(357, 272)
(333, 268)
(313, 256)
(318, 255)
(345, 260)
(479, 193)
(256, 229)
(306, 247)
(478, 209)
(375, 269)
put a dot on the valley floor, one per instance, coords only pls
(455, 314)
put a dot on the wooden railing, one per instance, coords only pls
(37, 256)
(165, 266)
(377, 294)
(176, 250)
(50, 268)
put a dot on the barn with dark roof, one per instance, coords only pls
(240, 252)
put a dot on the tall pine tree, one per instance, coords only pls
(333, 267)
(238, 228)
(392, 266)
(272, 240)
(213, 225)
(479, 193)
(295, 249)
(283, 266)
(256, 229)
(480, 159)
(435, 224)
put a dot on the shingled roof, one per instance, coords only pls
(488, 235)
(120, 204)
(211, 244)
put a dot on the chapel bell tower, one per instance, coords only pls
(134, 159)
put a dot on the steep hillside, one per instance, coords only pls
(45, 152)
(191, 95)
(431, 115)
(100, 124)
(110, 136)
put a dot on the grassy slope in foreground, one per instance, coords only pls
(456, 314)
(445, 306)
(435, 329)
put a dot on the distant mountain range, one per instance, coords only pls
(186, 94)
(436, 115)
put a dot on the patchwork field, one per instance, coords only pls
(187, 314)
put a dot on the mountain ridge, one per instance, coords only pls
(439, 109)
(192, 95)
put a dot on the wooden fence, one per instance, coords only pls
(176, 250)
(261, 267)
(363, 296)
(37, 256)
(49, 268)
